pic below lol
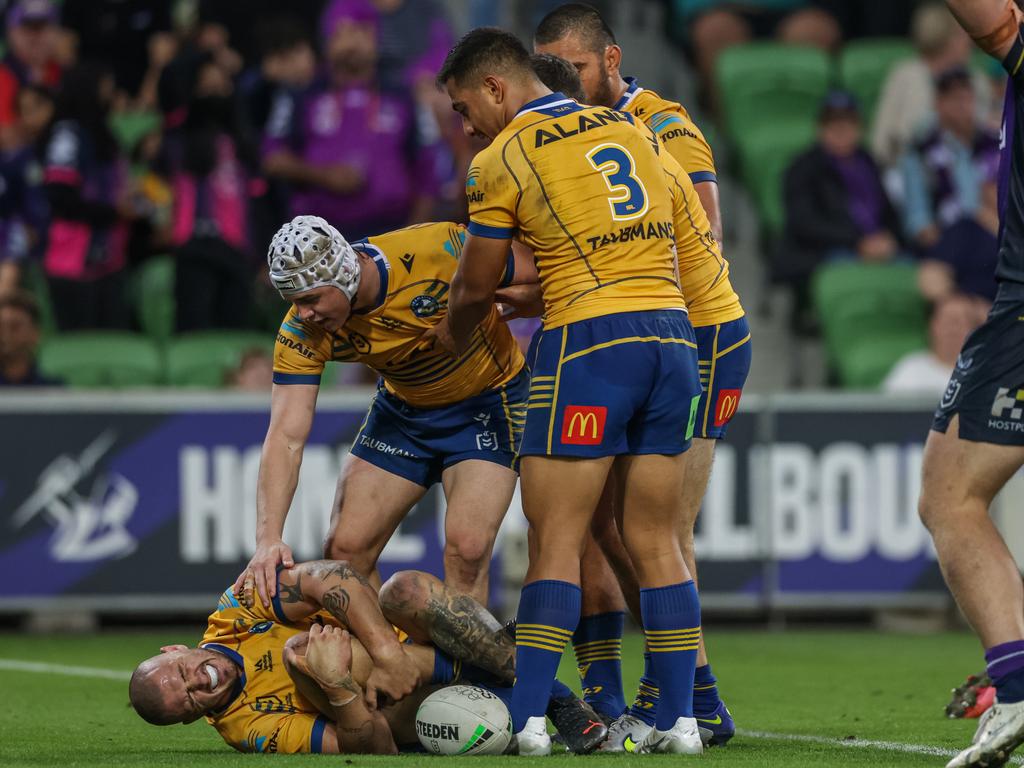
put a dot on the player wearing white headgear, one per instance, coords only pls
(435, 417)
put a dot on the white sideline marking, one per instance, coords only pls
(17, 665)
(890, 746)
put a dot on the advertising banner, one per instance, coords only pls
(148, 502)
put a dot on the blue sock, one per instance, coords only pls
(671, 617)
(645, 705)
(598, 646)
(444, 668)
(1006, 668)
(548, 613)
(705, 692)
(560, 690)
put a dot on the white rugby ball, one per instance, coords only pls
(463, 720)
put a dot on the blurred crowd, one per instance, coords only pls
(206, 130)
(919, 188)
(134, 131)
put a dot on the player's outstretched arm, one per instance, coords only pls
(993, 24)
(336, 587)
(477, 278)
(291, 417)
(423, 606)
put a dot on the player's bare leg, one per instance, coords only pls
(478, 494)
(559, 497)
(430, 611)
(650, 487)
(960, 478)
(368, 506)
(959, 481)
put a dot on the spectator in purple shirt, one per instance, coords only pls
(835, 204)
(348, 148)
(19, 340)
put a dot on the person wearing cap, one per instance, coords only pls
(31, 42)
(835, 204)
(943, 172)
(435, 417)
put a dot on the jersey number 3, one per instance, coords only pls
(629, 198)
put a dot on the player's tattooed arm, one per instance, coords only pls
(424, 607)
(336, 587)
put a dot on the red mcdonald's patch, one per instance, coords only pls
(725, 408)
(583, 424)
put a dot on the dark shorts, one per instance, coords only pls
(619, 384)
(723, 354)
(987, 387)
(420, 443)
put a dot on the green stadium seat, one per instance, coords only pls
(871, 315)
(34, 280)
(765, 83)
(102, 359)
(151, 293)
(765, 156)
(206, 358)
(864, 66)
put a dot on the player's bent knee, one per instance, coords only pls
(470, 552)
(402, 593)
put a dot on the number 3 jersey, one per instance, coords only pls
(416, 266)
(267, 713)
(587, 191)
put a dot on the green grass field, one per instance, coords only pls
(800, 698)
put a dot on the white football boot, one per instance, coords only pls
(683, 738)
(1000, 731)
(533, 740)
(624, 734)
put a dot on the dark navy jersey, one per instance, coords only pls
(1010, 266)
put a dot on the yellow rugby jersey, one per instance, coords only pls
(267, 713)
(586, 191)
(705, 281)
(416, 266)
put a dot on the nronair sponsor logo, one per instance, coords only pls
(302, 349)
(662, 230)
(676, 133)
(437, 730)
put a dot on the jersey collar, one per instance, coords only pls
(236, 657)
(556, 99)
(383, 269)
(631, 93)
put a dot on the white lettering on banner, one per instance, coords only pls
(842, 503)
(843, 499)
(790, 472)
(218, 505)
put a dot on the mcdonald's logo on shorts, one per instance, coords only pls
(583, 424)
(725, 408)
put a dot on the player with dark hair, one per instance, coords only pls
(578, 33)
(289, 678)
(977, 439)
(558, 75)
(614, 370)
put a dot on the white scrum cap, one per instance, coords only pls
(307, 253)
